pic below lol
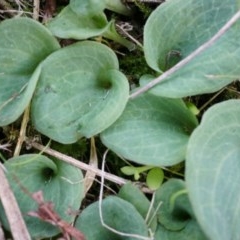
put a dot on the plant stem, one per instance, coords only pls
(186, 60)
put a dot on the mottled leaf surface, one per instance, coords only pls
(152, 130)
(24, 43)
(118, 214)
(174, 213)
(213, 171)
(177, 28)
(80, 92)
(69, 24)
(60, 183)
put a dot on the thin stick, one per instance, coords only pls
(129, 36)
(150, 208)
(81, 165)
(13, 97)
(100, 208)
(17, 225)
(22, 133)
(78, 164)
(211, 99)
(36, 5)
(186, 60)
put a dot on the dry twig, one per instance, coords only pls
(46, 213)
(81, 165)
(93, 162)
(17, 225)
(22, 133)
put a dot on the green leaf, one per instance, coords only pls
(167, 40)
(118, 214)
(152, 131)
(118, 6)
(213, 173)
(112, 34)
(129, 170)
(193, 108)
(72, 24)
(93, 7)
(134, 195)
(174, 212)
(68, 24)
(155, 178)
(87, 7)
(80, 92)
(60, 183)
(136, 171)
(191, 231)
(24, 43)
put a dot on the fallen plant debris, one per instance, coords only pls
(46, 213)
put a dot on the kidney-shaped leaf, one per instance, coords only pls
(152, 131)
(118, 214)
(213, 171)
(69, 24)
(24, 43)
(87, 7)
(191, 231)
(73, 24)
(60, 183)
(135, 196)
(167, 40)
(175, 215)
(175, 210)
(80, 92)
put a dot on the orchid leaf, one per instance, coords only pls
(213, 173)
(117, 214)
(152, 131)
(24, 43)
(60, 183)
(168, 40)
(174, 212)
(80, 93)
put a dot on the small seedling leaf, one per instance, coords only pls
(155, 178)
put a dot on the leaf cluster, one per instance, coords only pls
(79, 92)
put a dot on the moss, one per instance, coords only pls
(133, 65)
(143, 8)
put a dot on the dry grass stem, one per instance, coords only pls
(78, 163)
(100, 208)
(22, 133)
(17, 225)
(93, 162)
(36, 8)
